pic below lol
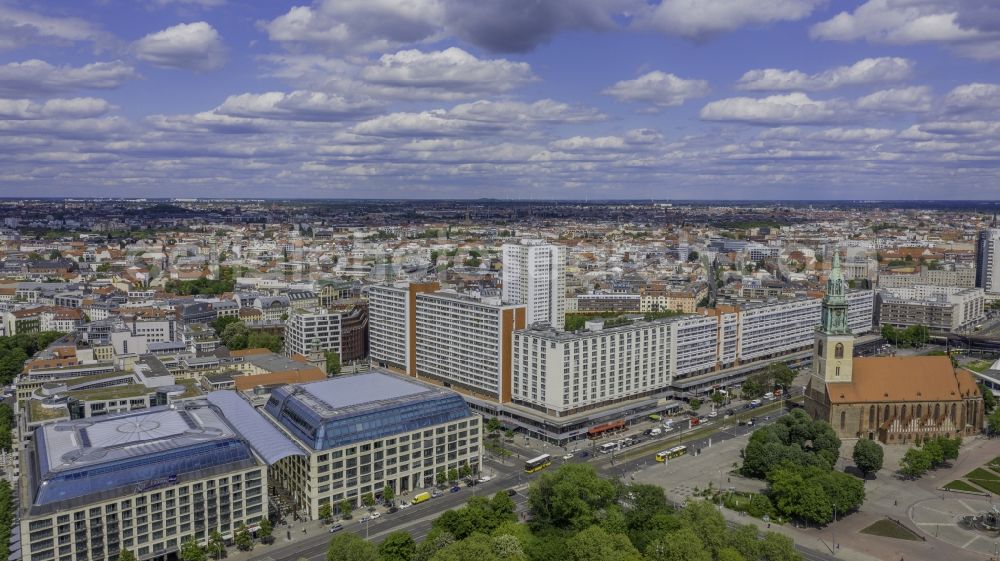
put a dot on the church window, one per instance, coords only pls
(886, 416)
(819, 348)
(937, 410)
(871, 416)
(843, 419)
(902, 415)
(837, 373)
(920, 410)
(953, 413)
(839, 351)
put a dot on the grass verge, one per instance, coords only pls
(959, 485)
(888, 529)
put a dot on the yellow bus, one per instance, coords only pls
(539, 463)
(420, 497)
(675, 452)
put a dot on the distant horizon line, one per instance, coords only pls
(488, 199)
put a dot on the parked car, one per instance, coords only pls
(376, 515)
(655, 432)
(365, 518)
(456, 489)
(392, 509)
(404, 505)
(584, 454)
(730, 412)
(336, 528)
(755, 403)
(713, 414)
(436, 493)
(484, 478)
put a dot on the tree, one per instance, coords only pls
(915, 463)
(464, 470)
(126, 555)
(596, 544)
(220, 324)
(347, 546)
(692, 256)
(718, 398)
(243, 539)
(776, 547)
(216, 548)
(452, 475)
(388, 494)
(569, 497)
(493, 425)
(794, 438)
(868, 456)
(265, 531)
(346, 506)
(325, 511)
(397, 546)
(191, 551)
(442, 477)
(332, 363)
(680, 545)
(368, 500)
(695, 404)
(993, 422)
(781, 374)
(934, 451)
(235, 336)
(989, 398)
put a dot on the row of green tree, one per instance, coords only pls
(932, 453)
(576, 516)
(912, 336)
(796, 456)
(209, 287)
(215, 548)
(16, 349)
(6, 515)
(6, 426)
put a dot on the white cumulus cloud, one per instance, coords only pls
(916, 99)
(865, 71)
(699, 18)
(658, 88)
(446, 74)
(75, 108)
(191, 46)
(973, 97)
(295, 106)
(36, 77)
(787, 109)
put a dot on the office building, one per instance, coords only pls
(534, 274)
(964, 277)
(342, 330)
(143, 481)
(368, 431)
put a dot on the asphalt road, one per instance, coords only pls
(417, 520)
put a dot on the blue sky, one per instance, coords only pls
(685, 99)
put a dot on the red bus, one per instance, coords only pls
(606, 428)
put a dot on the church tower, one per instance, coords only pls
(833, 351)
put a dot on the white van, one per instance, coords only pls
(769, 395)
(655, 432)
(609, 447)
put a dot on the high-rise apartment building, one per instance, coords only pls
(343, 331)
(392, 314)
(534, 274)
(988, 258)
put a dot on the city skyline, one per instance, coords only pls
(793, 99)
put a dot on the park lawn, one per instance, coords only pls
(995, 463)
(991, 485)
(980, 473)
(959, 485)
(888, 529)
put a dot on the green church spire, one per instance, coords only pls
(835, 302)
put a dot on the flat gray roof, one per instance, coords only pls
(99, 440)
(348, 391)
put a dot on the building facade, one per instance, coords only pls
(365, 432)
(988, 259)
(143, 481)
(939, 308)
(534, 274)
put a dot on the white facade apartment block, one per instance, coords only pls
(561, 372)
(860, 311)
(388, 329)
(308, 326)
(778, 328)
(460, 339)
(534, 274)
(694, 346)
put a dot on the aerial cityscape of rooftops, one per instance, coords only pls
(547, 280)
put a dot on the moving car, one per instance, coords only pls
(435, 494)
(568, 456)
(376, 515)
(404, 505)
(510, 492)
(755, 403)
(421, 497)
(456, 489)
(336, 528)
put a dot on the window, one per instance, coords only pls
(838, 351)
(843, 419)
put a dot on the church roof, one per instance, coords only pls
(899, 378)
